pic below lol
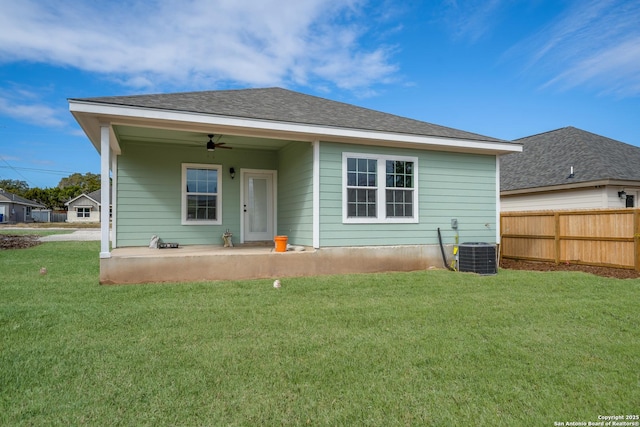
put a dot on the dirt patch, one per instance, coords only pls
(11, 241)
(618, 273)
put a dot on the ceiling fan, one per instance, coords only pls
(211, 146)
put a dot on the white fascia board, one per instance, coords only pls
(86, 196)
(572, 186)
(312, 132)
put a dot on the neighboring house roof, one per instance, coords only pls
(282, 105)
(92, 196)
(95, 196)
(548, 158)
(6, 197)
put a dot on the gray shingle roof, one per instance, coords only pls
(283, 105)
(6, 197)
(546, 160)
(96, 195)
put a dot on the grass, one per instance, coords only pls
(423, 348)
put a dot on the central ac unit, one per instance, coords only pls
(477, 258)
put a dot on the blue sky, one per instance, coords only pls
(502, 68)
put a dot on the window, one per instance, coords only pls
(361, 188)
(83, 212)
(399, 192)
(379, 188)
(630, 202)
(201, 194)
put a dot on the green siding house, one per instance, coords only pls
(352, 186)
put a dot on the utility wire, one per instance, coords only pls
(51, 171)
(15, 170)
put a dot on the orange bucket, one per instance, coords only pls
(281, 243)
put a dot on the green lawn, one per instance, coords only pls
(425, 348)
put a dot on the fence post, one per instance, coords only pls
(636, 238)
(556, 232)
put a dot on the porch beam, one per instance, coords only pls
(105, 160)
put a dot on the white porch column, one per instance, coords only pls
(114, 186)
(316, 194)
(105, 162)
(498, 203)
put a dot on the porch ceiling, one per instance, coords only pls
(194, 138)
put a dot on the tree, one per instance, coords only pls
(38, 195)
(87, 182)
(19, 188)
(55, 197)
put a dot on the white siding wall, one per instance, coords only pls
(616, 202)
(585, 198)
(72, 216)
(590, 198)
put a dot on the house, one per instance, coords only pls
(570, 168)
(360, 190)
(15, 209)
(85, 207)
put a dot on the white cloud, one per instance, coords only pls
(594, 44)
(37, 114)
(9, 158)
(472, 19)
(199, 43)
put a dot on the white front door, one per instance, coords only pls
(258, 205)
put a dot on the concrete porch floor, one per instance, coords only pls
(212, 263)
(194, 250)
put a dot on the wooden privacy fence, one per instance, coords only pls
(593, 237)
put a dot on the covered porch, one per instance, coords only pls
(216, 263)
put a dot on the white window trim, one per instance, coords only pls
(381, 188)
(183, 202)
(83, 207)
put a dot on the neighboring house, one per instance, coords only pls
(333, 177)
(85, 207)
(570, 168)
(15, 209)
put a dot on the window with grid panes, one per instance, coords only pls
(361, 188)
(83, 212)
(399, 188)
(379, 188)
(201, 194)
